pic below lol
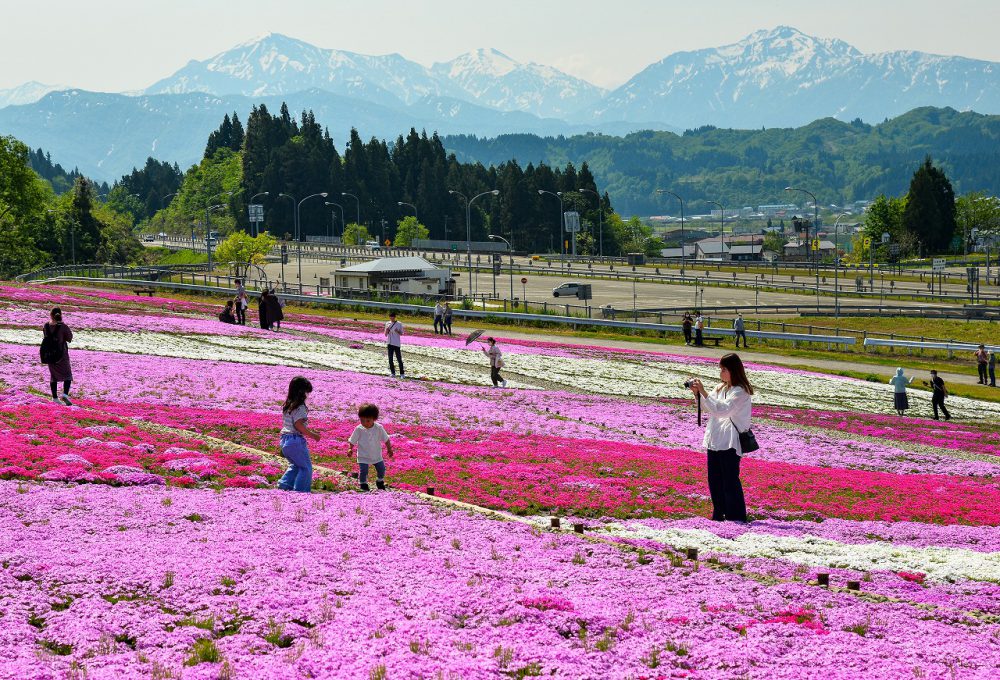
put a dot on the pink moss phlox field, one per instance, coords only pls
(129, 582)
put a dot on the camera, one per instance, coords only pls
(688, 383)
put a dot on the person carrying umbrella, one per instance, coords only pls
(496, 362)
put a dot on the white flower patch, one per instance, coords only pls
(938, 563)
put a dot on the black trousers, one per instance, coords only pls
(724, 486)
(447, 324)
(993, 375)
(438, 325)
(741, 334)
(54, 386)
(395, 351)
(495, 376)
(937, 401)
(982, 373)
(687, 335)
(699, 338)
(241, 315)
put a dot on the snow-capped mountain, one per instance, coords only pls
(28, 93)
(783, 77)
(491, 78)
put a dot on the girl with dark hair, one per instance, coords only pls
(60, 370)
(294, 430)
(728, 407)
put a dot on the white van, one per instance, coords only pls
(372, 245)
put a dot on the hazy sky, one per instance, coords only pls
(116, 45)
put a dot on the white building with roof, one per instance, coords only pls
(413, 275)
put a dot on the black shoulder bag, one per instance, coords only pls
(748, 441)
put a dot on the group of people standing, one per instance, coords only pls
(442, 318)
(696, 323)
(270, 308)
(986, 362)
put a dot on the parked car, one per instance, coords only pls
(162, 235)
(148, 238)
(567, 290)
(372, 245)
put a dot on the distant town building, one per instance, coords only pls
(413, 275)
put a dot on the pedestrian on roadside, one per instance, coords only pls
(939, 392)
(294, 430)
(992, 368)
(740, 329)
(899, 383)
(393, 337)
(730, 401)
(686, 324)
(438, 318)
(699, 329)
(368, 437)
(496, 362)
(982, 362)
(54, 351)
(241, 303)
(262, 310)
(447, 317)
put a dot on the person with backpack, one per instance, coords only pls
(54, 352)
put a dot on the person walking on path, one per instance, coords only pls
(686, 324)
(699, 328)
(728, 407)
(899, 383)
(294, 430)
(438, 319)
(368, 437)
(447, 317)
(56, 337)
(496, 362)
(982, 362)
(937, 396)
(393, 335)
(992, 368)
(740, 329)
(241, 303)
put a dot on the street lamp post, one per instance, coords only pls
(402, 203)
(836, 264)
(208, 231)
(681, 201)
(468, 229)
(358, 202)
(510, 253)
(600, 219)
(298, 231)
(815, 233)
(343, 223)
(722, 228)
(163, 199)
(562, 225)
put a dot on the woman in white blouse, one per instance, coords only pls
(728, 409)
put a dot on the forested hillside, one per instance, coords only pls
(837, 161)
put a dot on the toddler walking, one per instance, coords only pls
(294, 430)
(368, 437)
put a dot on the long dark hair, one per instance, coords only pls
(737, 374)
(298, 389)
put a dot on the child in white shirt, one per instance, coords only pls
(368, 437)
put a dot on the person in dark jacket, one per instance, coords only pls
(262, 311)
(60, 371)
(938, 395)
(226, 315)
(274, 313)
(686, 324)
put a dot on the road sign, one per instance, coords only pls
(868, 242)
(387, 243)
(572, 221)
(815, 244)
(256, 211)
(937, 264)
(524, 279)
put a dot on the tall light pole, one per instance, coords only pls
(163, 199)
(600, 219)
(510, 252)
(722, 229)
(259, 193)
(402, 203)
(357, 201)
(292, 199)
(815, 231)
(298, 230)
(343, 223)
(836, 265)
(683, 239)
(562, 225)
(468, 229)
(208, 231)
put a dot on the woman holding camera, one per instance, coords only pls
(728, 408)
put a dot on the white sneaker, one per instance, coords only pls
(503, 383)
(402, 376)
